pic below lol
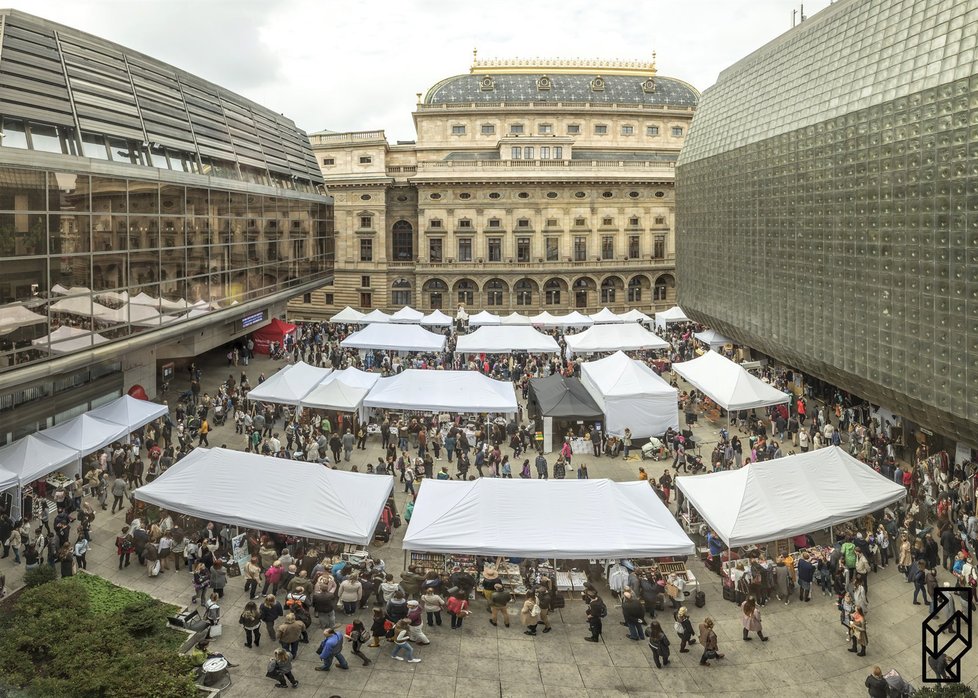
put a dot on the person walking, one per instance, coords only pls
(458, 608)
(280, 669)
(80, 550)
(219, 578)
(289, 632)
(415, 618)
(252, 574)
(633, 612)
(332, 648)
(659, 644)
(433, 604)
(119, 490)
(402, 643)
(498, 601)
(684, 628)
(270, 611)
(857, 631)
(347, 444)
(751, 619)
(877, 685)
(918, 579)
(530, 614)
(124, 547)
(358, 634)
(202, 433)
(708, 639)
(250, 620)
(596, 610)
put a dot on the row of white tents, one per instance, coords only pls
(505, 339)
(562, 519)
(36, 455)
(575, 318)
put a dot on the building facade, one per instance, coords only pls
(827, 206)
(146, 215)
(531, 185)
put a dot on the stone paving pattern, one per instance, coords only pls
(806, 655)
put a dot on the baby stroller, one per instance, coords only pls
(220, 414)
(898, 686)
(653, 450)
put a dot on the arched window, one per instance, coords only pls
(435, 290)
(551, 291)
(402, 242)
(664, 286)
(524, 289)
(609, 289)
(495, 292)
(465, 290)
(401, 292)
(636, 286)
(582, 292)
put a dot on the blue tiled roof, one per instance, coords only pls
(618, 89)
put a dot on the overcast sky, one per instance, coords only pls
(358, 65)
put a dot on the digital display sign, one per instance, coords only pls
(253, 319)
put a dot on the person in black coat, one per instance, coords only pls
(633, 613)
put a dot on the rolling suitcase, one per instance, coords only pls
(699, 599)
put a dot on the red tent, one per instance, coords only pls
(274, 331)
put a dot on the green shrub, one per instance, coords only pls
(42, 574)
(83, 636)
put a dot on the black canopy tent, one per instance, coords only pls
(565, 401)
(562, 398)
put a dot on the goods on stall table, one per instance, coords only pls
(564, 581)
(440, 562)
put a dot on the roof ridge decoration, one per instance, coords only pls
(563, 65)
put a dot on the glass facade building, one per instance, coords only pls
(136, 199)
(827, 205)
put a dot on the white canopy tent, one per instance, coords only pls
(396, 337)
(728, 384)
(378, 316)
(634, 315)
(143, 298)
(336, 395)
(484, 317)
(407, 314)
(789, 496)
(505, 339)
(129, 412)
(290, 385)
(545, 319)
(625, 336)
(353, 376)
(86, 434)
(437, 318)
(169, 306)
(674, 314)
(34, 456)
(515, 318)
(67, 339)
(562, 519)
(631, 395)
(348, 315)
(13, 317)
(7, 480)
(572, 319)
(442, 391)
(272, 494)
(84, 306)
(60, 290)
(713, 339)
(605, 316)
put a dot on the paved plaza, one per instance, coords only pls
(806, 655)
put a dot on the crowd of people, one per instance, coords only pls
(358, 605)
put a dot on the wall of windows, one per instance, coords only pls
(78, 250)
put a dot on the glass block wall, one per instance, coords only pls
(827, 206)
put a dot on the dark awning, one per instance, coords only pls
(563, 397)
